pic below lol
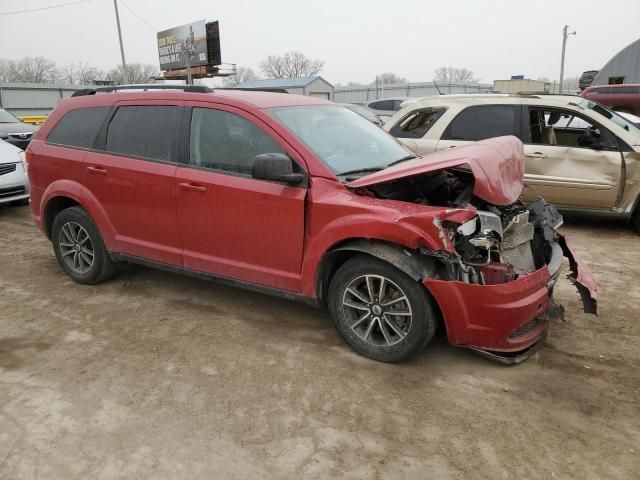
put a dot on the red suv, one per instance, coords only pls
(303, 198)
(622, 98)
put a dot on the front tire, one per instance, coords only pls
(79, 248)
(379, 311)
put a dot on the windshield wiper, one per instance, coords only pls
(360, 170)
(403, 159)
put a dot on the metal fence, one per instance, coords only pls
(366, 93)
(28, 99)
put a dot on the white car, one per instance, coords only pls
(14, 182)
(580, 155)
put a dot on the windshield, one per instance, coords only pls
(613, 116)
(342, 139)
(6, 117)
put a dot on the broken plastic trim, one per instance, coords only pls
(511, 358)
(581, 277)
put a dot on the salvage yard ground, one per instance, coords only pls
(155, 375)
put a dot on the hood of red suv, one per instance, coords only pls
(497, 165)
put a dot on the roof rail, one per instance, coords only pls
(115, 88)
(243, 89)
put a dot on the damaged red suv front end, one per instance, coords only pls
(498, 258)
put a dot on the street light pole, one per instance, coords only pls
(564, 46)
(124, 63)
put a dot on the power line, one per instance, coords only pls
(45, 8)
(139, 16)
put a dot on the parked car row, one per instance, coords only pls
(299, 197)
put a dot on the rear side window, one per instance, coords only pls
(143, 131)
(78, 128)
(416, 124)
(484, 121)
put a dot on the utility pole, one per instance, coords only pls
(564, 46)
(124, 63)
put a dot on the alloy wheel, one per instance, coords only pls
(377, 310)
(76, 247)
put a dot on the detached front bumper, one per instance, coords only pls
(509, 317)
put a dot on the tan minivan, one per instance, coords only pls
(580, 155)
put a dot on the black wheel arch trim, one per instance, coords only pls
(414, 264)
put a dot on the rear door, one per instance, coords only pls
(479, 122)
(233, 225)
(131, 175)
(571, 160)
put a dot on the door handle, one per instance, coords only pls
(536, 155)
(97, 170)
(194, 187)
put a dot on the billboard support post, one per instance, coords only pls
(124, 63)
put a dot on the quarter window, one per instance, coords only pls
(143, 131)
(225, 141)
(417, 124)
(482, 122)
(78, 128)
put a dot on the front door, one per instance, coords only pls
(233, 225)
(571, 161)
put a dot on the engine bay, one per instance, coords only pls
(500, 243)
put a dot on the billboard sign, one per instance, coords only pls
(179, 44)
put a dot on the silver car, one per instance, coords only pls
(14, 182)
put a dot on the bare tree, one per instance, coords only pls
(136, 73)
(243, 74)
(570, 85)
(454, 75)
(388, 78)
(28, 69)
(78, 74)
(4, 70)
(291, 65)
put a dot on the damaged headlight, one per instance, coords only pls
(468, 228)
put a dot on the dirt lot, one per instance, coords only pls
(154, 375)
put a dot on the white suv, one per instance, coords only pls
(580, 155)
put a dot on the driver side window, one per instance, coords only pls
(564, 128)
(228, 142)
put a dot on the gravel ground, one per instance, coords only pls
(154, 375)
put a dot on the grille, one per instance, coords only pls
(524, 329)
(21, 136)
(7, 168)
(11, 191)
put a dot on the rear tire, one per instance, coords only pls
(380, 311)
(79, 247)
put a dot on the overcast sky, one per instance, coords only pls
(356, 39)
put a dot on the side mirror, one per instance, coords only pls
(276, 167)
